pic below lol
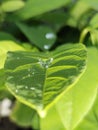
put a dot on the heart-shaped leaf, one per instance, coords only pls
(38, 79)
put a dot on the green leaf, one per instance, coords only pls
(94, 21)
(36, 121)
(12, 5)
(74, 16)
(2, 79)
(77, 102)
(37, 7)
(52, 121)
(94, 36)
(6, 46)
(22, 114)
(29, 47)
(57, 19)
(93, 4)
(6, 36)
(41, 36)
(39, 79)
(90, 122)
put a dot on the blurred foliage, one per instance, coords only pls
(36, 26)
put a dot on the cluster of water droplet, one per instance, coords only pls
(45, 62)
(50, 35)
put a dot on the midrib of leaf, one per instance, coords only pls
(43, 112)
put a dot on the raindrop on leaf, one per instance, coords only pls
(46, 66)
(50, 36)
(46, 47)
(32, 88)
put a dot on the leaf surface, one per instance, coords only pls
(77, 102)
(90, 122)
(93, 4)
(10, 6)
(38, 79)
(41, 36)
(6, 46)
(6, 36)
(52, 121)
(22, 114)
(37, 7)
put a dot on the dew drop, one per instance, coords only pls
(16, 90)
(49, 36)
(41, 62)
(32, 88)
(45, 62)
(46, 47)
(46, 66)
(51, 59)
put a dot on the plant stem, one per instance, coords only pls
(83, 34)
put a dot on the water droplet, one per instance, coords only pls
(32, 88)
(41, 62)
(16, 90)
(45, 62)
(50, 36)
(51, 59)
(46, 66)
(46, 47)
